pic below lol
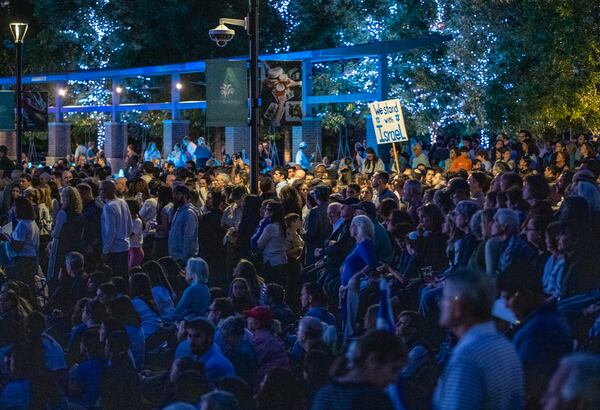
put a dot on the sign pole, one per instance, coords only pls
(396, 157)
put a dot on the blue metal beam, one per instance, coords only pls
(328, 54)
(341, 98)
(183, 105)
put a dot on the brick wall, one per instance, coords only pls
(59, 141)
(174, 131)
(115, 144)
(236, 139)
(310, 132)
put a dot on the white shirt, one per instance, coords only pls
(117, 226)
(27, 232)
(136, 239)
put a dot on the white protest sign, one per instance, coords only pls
(388, 121)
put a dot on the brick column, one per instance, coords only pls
(115, 144)
(59, 141)
(236, 139)
(310, 132)
(218, 141)
(9, 139)
(174, 131)
(382, 150)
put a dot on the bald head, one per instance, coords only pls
(107, 190)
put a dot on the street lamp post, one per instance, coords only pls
(19, 30)
(222, 35)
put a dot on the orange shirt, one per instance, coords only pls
(461, 163)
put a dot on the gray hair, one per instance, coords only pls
(583, 380)
(233, 326)
(336, 205)
(589, 192)
(74, 260)
(476, 290)
(508, 217)
(312, 327)
(197, 270)
(475, 224)
(219, 400)
(364, 227)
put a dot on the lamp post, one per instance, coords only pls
(19, 30)
(222, 35)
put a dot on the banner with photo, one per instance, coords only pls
(35, 111)
(281, 93)
(7, 110)
(226, 93)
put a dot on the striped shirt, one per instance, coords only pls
(484, 372)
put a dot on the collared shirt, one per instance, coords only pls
(270, 352)
(337, 224)
(232, 216)
(216, 365)
(484, 372)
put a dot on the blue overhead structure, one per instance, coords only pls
(375, 50)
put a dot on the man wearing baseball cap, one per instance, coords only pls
(270, 350)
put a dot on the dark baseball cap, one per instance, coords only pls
(456, 184)
(367, 207)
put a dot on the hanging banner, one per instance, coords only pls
(7, 110)
(226, 93)
(35, 111)
(281, 93)
(388, 121)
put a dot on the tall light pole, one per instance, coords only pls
(19, 30)
(222, 35)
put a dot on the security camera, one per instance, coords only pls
(221, 35)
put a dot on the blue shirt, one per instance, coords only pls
(194, 301)
(151, 322)
(362, 254)
(541, 341)
(484, 372)
(322, 314)
(16, 395)
(89, 375)
(137, 344)
(216, 366)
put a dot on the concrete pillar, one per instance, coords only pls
(9, 139)
(382, 150)
(310, 132)
(237, 139)
(59, 141)
(115, 144)
(174, 131)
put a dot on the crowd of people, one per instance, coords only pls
(469, 278)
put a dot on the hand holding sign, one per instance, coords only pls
(388, 122)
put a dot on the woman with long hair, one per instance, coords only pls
(271, 243)
(24, 242)
(66, 234)
(152, 153)
(290, 200)
(174, 274)
(143, 303)
(121, 309)
(248, 223)
(241, 298)
(162, 292)
(246, 270)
